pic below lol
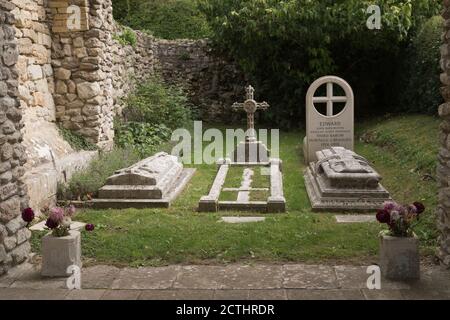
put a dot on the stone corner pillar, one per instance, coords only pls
(443, 166)
(14, 245)
(82, 63)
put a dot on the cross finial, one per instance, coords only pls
(250, 93)
(250, 106)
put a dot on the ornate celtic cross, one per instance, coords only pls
(250, 106)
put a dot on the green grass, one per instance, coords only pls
(181, 235)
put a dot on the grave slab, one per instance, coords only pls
(341, 180)
(242, 219)
(355, 218)
(151, 183)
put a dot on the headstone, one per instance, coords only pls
(251, 150)
(341, 180)
(331, 128)
(152, 182)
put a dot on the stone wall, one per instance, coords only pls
(444, 153)
(213, 82)
(14, 247)
(93, 72)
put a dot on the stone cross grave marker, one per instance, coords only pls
(332, 129)
(250, 106)
(251, 150)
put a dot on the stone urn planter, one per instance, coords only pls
(58, 253)
(399, 257)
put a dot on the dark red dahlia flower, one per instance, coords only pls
(51, 224)
(28, 215)
(420, 207)
(383, 216)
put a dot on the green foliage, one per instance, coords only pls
(84, 184)
(126, 37)
(144, 137)
(285, 45)
(168, 19)
(76, 141)
(155, 102)
(422, 70)
(151, 113)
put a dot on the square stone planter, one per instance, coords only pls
(399, 257)
(60, 253)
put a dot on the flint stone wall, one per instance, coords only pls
(14, 247)
(94, 72)
(444, 152)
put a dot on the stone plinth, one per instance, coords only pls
(152, 182)
(60, 253)
(399, 258)
(343, 181)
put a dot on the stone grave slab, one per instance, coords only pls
(332, 128)
(347, 218)
(275, 203)
(341, 180)
(234, 220)
(152, 182)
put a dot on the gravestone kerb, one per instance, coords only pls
(330, 130)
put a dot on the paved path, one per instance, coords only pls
(237, 282)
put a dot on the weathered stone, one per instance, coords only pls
(342, 180)
(88, 90)
(62, 74)
(16, 224)
(61, 87)
(35, 72)
(10, 54)
(20, 253)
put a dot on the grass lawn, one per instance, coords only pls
(402, 149)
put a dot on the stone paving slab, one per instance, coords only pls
(86, 294)
(32, 294)
(146, 278)
(99, 277)
(334, 294)
(177, 295)
(354, 277)
(230, 277)
(309, 277)
(121, 295)
(235, 281)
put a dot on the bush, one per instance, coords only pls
(168, 19)
(76, 141)
(285, 45)
(155, 103)
(422, 81)
(85, 184)
(151, 113)
(145, 138)
(126, 37)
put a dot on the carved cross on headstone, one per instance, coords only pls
(250, 106)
